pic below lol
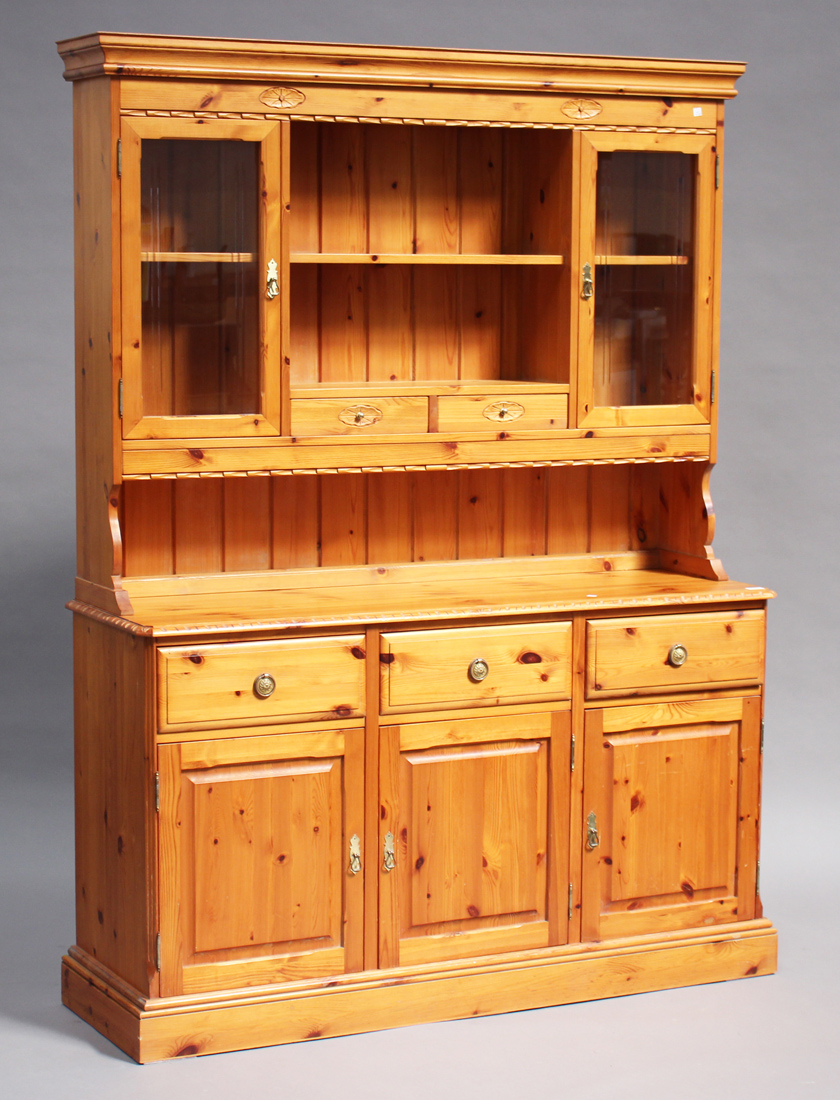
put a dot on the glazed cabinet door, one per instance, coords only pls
(647, 279)
(670, 816)
(204, 292)
(473, 837)
(259, 878)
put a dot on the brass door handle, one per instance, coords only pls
(272, 286)
(592, 837)
(389, 860)
(355, 854)
(588, 288)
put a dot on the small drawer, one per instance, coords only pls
(495, 412)
(475, 666)
(252, 682)
(352, 415)
(662, 653)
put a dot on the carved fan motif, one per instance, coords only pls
(581, 108)
(281, 99)
(360, 415)
(504, 411)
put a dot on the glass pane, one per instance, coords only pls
(200, 286)
(644, 244)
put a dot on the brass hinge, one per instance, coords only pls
(157, 951)
(157, 792)
(120, 396)
(572, 755)
(712, 388)
(119, 158)
(761, 739)
(757, 875)
(717, 172)
(571, 899)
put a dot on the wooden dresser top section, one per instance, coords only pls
(157, 56)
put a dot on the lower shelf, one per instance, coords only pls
(156, 1029)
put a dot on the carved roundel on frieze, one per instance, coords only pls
(282, 99)
(581, 108)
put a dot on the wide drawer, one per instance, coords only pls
(475, 666)
(662, 653)
(494, 412)
(249, 682)
(351, 415)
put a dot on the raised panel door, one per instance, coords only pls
(473, 812)
(257, 884)
(670, 816)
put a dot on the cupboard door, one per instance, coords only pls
(257, 882)
(670, 816)
(203, 211)
(647, 279)
(473, 837)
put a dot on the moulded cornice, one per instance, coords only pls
(239, 59)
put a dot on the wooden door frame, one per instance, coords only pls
(703, 295)
(273, 416)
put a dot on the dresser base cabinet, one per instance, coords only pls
(408, 686)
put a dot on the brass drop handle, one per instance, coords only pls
(264, 685)
(389, 859)
(355, 854)
(588, 288)
(677, 655)
(592, 837)
(272, 286)
(478, 670)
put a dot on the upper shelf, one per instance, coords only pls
(198, 257)
(495, 259)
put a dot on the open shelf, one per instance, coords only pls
(640, 261)
(197, 257)
(495, 259)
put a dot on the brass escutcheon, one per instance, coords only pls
(264, 685)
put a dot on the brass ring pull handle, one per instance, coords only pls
(478, 670)
(264, 685)
(677, 655)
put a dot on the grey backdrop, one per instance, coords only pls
(776, 498)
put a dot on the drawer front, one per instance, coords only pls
(354, 416)
(673, 652)
(302, 678)
(491, 412)
(476, 666)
